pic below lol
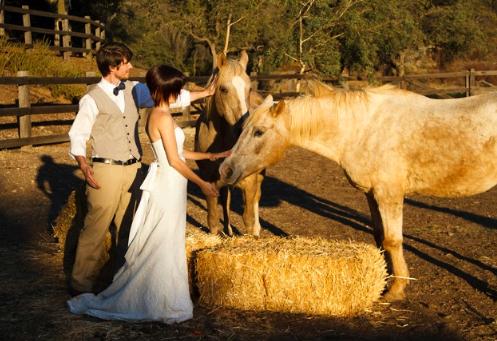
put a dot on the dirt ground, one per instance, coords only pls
(450, 246)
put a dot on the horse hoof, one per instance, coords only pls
(392, 296)
(215, 231)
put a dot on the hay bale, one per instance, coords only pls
(298, 275)
(70, 217)
(197, 240)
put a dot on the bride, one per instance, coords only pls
(152, 285)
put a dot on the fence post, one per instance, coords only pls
(467, 85)
(2, 20)
(90, 74)
(253, 82)
(26, 22)
(185, 112)
(102, 34)
(56, 35)
(24, 121)
(88, 40)
(472, 81)
(97, 34)
(66, 38)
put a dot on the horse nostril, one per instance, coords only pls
(226, 171)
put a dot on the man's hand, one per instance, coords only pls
(87, 171)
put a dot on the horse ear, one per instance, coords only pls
(280, 107)
(221, 59)
(244, 59)
(268, 102)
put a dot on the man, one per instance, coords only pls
(108, 117)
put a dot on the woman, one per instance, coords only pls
(153, 283)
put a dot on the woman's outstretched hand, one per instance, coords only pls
(209, 189)
(211, 89)
(215, 156)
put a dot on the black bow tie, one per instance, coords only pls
(121, 86)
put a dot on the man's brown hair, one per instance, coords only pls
(111, 55)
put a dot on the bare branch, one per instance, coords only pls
(227, 38)
(228, 31)
(212, 46)
(341, 11)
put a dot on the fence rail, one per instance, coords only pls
(91, 38)
(25, 109)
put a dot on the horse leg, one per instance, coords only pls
(257, 225)
(251, 196)
(212, 215)
(225, 203)
(390, 208)
(376, 223)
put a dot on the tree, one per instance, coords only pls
(219, 23)
(455, 29)
(378, 33)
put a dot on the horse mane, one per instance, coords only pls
(316, 88)
(308, 113)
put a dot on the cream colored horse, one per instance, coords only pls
(216, 131)
(389, 142)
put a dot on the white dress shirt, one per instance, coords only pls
(87, 114)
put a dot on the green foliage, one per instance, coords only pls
(363, 36)
(151, 37)
(456, 30)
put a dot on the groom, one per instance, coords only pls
(108, 117)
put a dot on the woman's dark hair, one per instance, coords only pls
(111, 55)
(163, 82)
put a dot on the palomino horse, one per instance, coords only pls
(389, 142)
(217, 131)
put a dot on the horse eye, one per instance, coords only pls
(258, 133)
(223, 89)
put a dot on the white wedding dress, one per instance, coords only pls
(153, 283)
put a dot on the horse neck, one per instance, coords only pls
(319, 124)
(219, 130)
(213, 115)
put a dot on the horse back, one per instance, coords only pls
(434, 147)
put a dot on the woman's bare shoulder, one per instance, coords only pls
(161, 115)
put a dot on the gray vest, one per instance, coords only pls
(115, 134)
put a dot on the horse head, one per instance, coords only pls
(263, 140)
(231, 99)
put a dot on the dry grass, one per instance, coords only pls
(41, 61)
(298, 275)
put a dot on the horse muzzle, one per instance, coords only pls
(228, 175)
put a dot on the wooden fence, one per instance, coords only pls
(63, 35)
(24, 110)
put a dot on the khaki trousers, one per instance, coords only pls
(115, 198)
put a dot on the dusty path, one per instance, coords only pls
(451, 249)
